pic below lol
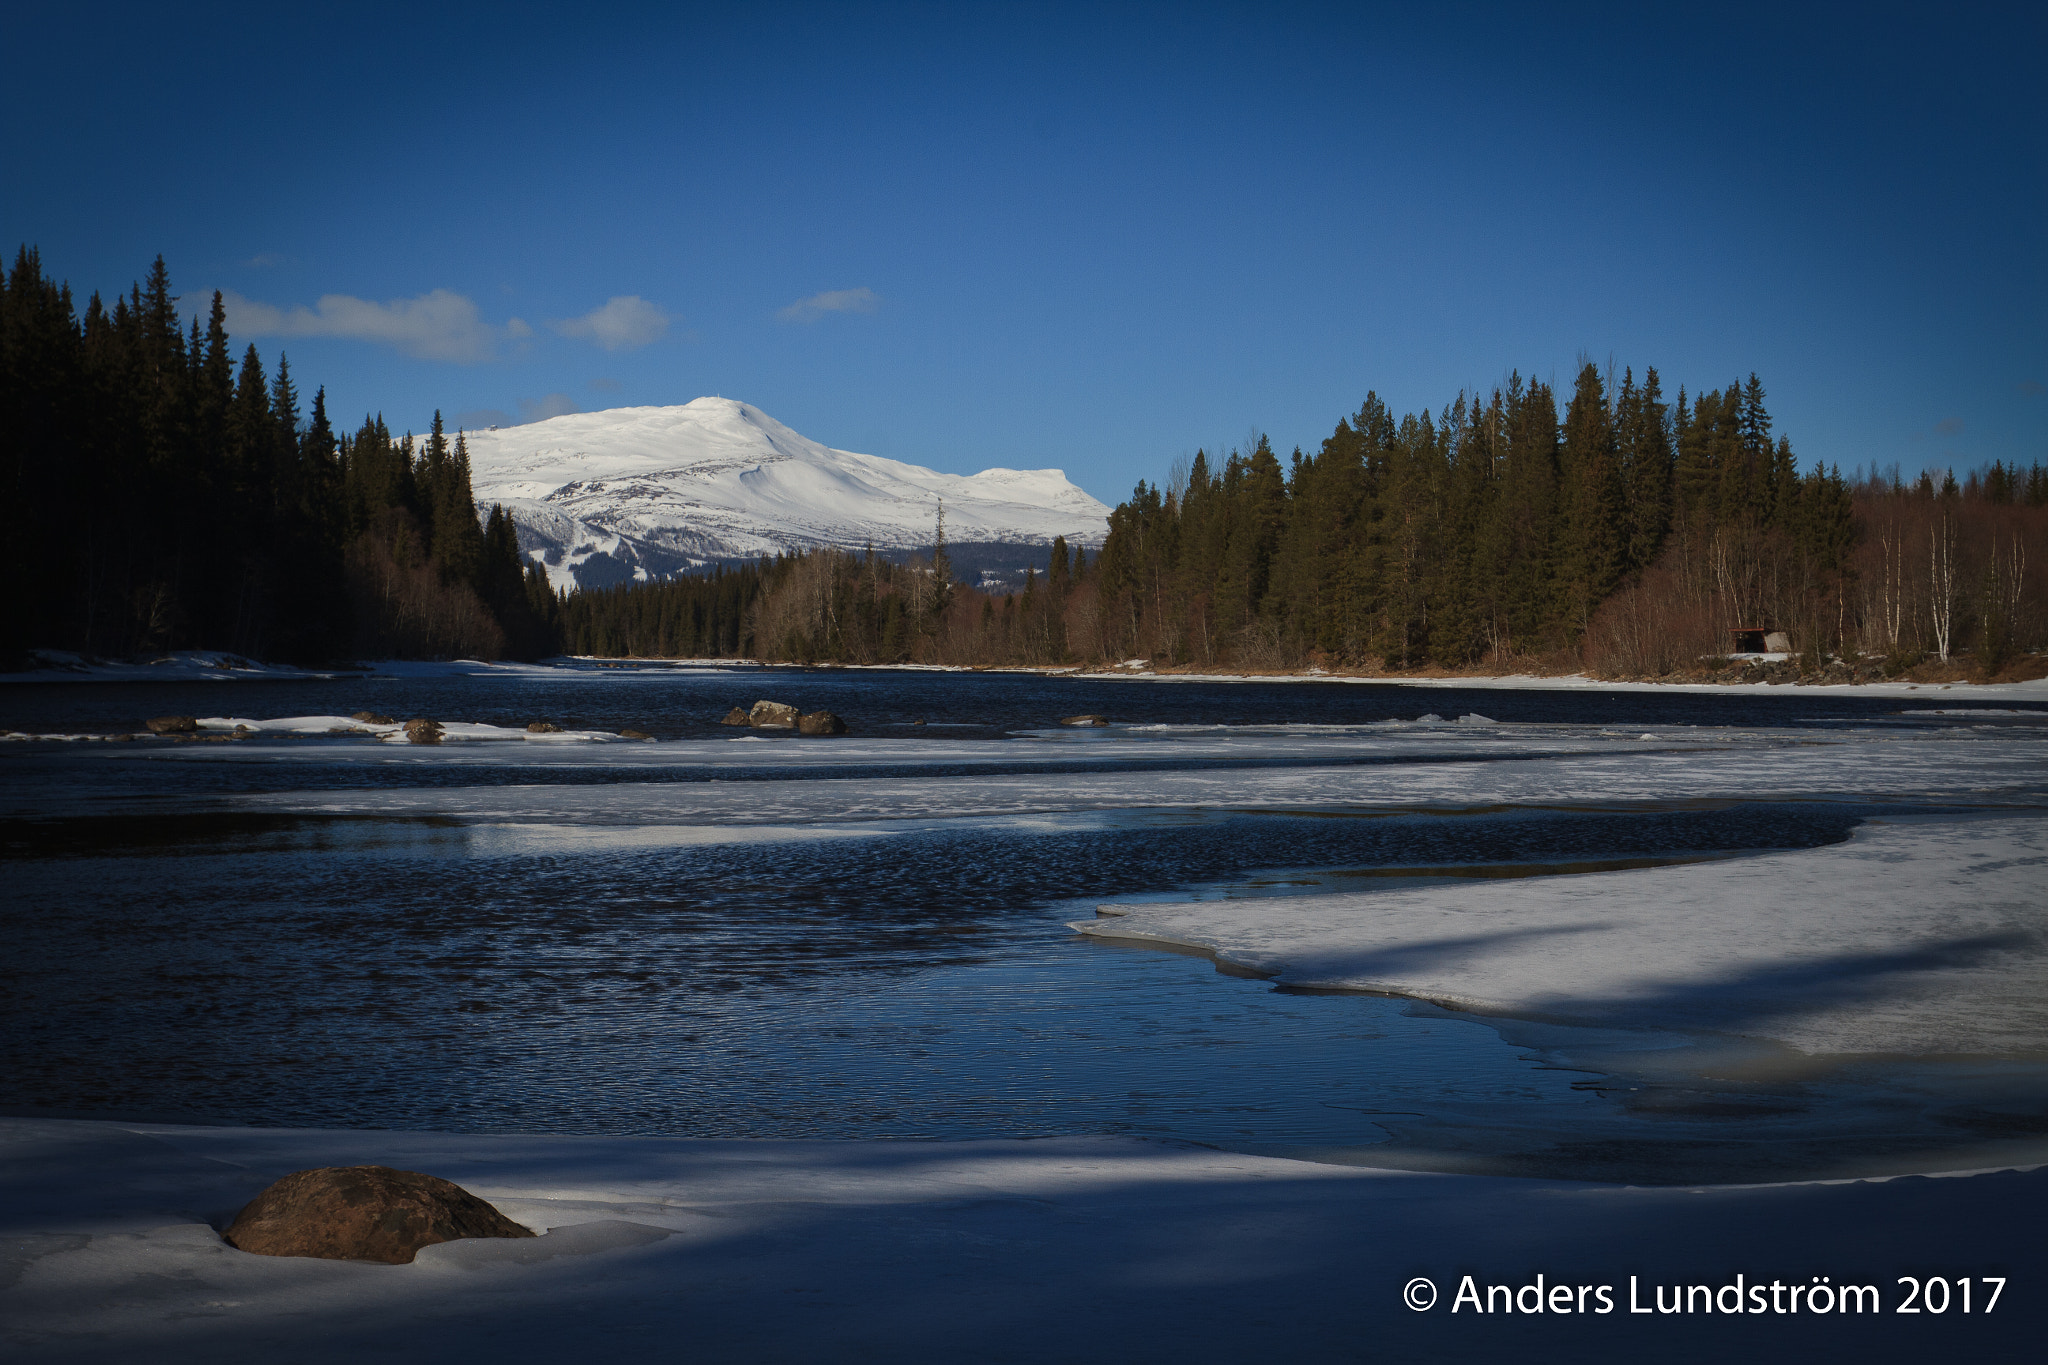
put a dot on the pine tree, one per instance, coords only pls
(1643, 438)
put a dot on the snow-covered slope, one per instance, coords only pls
(646, 492)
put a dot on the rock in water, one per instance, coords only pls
(542, 727)
(363, 1213)
(734, 717)
(634, 734)
(772, 715)
(423, 731)
(172, 725)
(372, 718)
(1083, 720)
(820, 723)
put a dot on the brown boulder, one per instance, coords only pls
(372, 718)
(363, 1213)
(820, 723)
(634, 734)
(543, 727)
(772, 715)
(172, 725)
(734, 717)
(423, 731)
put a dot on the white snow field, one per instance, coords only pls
(663, 488)
(1072, 1249)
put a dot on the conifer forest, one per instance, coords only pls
(164, 492)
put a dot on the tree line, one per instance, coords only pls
(162, 494)
(1626, 533)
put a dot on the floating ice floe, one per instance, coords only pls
(454, 731)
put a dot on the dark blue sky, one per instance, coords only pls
(1091, 237)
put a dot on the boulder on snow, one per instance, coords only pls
(363, 1213)
(423, 731)
(634, 734)
(372, 718)
(172, 725)
(734, 717)
(1084, 720)
(542, 727)
(772, 715)
(820, 723)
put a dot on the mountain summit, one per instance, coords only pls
(638, 493)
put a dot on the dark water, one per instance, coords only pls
(421, 971)
(679, 703)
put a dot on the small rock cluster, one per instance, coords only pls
(775, 715)
(1782, 671)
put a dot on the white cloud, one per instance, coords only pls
(862, 300)
(517, 328)
(626, 321)
(440, 325)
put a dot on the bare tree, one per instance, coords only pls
(1941, 557)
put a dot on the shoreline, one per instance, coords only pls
(215, 666)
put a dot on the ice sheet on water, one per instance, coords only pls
(394, 732)
(1387, 770)
(1921, 936)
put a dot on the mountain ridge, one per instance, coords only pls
(647, 492)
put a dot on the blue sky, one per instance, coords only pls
(1090, 237)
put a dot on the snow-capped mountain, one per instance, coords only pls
(646, 492)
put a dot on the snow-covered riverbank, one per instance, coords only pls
(1077, 1249)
